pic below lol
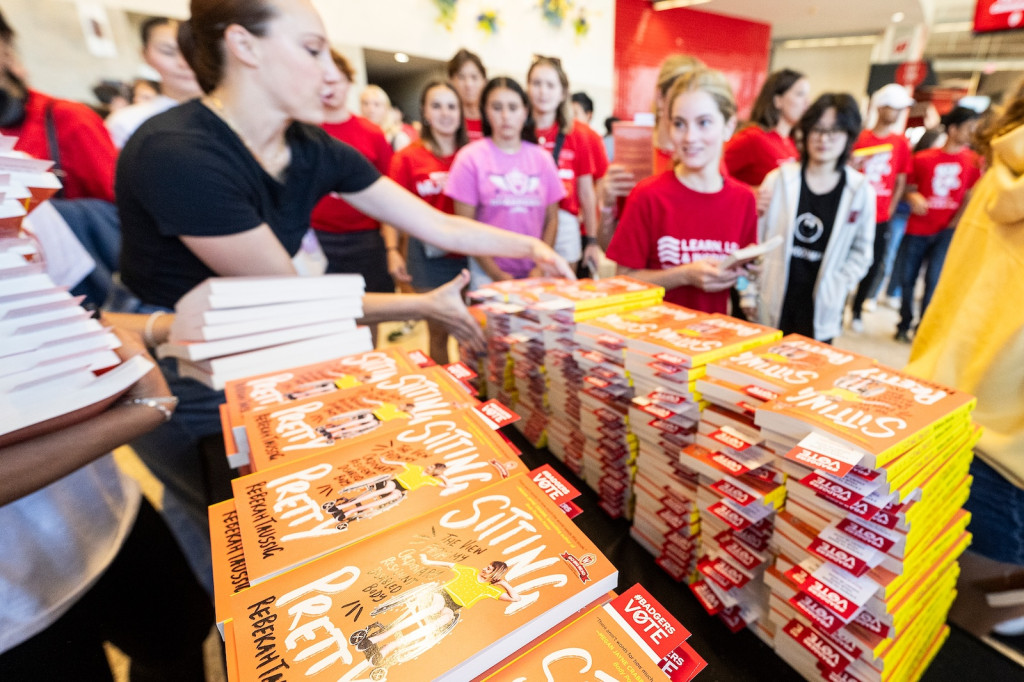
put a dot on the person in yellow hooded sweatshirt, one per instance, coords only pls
(972, 338)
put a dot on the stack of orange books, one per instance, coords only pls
(877, 475)
(666, 417)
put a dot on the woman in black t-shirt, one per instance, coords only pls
(825, 211)
(225, 185)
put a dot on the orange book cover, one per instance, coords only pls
(692, 343)
(783, 366)
(312, 425)
(293, 513)
(229, 572)
(585, 294)
(268, 390)
(878, 411)
(631, 638)
(441, 596)
(613, 329)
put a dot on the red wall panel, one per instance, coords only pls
(737, 47)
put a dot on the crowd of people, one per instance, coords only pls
(248, 142)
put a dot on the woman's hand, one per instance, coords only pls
(764, 198)
(396, 267)
(549, 262)
(444, 304)
(152, 384)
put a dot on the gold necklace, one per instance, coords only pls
(269, 164)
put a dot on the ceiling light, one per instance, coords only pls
(842, 41)
(897, 17)
(673, 4)
(401, 57)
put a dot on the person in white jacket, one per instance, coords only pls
(825, 212)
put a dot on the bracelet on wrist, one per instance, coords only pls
(147, 332)
(588, 240)
(165, 404)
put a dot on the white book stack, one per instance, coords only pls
(57, 365)
(230, 327)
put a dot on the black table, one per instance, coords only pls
(741, 656)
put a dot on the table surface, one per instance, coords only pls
(741, 656)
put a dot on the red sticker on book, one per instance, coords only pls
(730, 573)
(651, 622)
(553, 484)
(733, 492)
(740, 554)
(420, 359)
(760, 392)
(571, 509)
(839, 557)
(497, 413)
(729, 440)
(683, 664)
(830, 599)
(816, 613)
(830, 490)
(706, 596)
(460, 371)
(818, 460)
(731, 518)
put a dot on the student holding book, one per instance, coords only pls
(225, 185)
(825, 212)
(678, 224)
(84, 558)
(422, 168)
(506, 180)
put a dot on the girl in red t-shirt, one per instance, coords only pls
(765, 143)
(422, 168)
(677, 225)
(559, 133)
(467, 73)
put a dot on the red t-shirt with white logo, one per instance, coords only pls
(574, 161)
(665, 223)
(417, 169)
(882, 167)
(334, 214)
(943, 179)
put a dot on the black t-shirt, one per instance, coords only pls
(186, 173)
(815, 216)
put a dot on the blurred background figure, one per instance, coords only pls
(177, 82)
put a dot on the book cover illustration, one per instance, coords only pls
(442, 596)
(310, 425)
(298, 511)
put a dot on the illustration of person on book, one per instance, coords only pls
(323, 386)
(357, 422)
(854, 388)
(431, 611)
(388, 490)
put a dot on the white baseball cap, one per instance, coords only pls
(893, 95)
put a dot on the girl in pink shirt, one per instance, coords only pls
(506, 180)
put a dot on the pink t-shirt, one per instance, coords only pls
(510, 191)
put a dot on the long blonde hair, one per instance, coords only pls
(706, 80)
(1009, 116)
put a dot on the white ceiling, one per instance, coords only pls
(814, 18)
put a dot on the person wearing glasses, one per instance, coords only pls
(825, 211)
